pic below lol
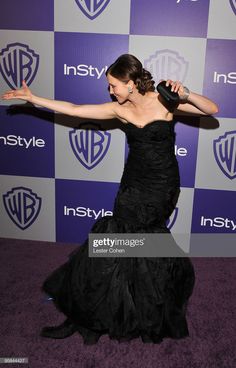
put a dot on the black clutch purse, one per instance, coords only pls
(170, 97)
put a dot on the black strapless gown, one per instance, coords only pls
(131, 297)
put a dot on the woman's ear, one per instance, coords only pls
(130, 90)
(130, 85)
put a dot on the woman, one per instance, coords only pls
(129, 297)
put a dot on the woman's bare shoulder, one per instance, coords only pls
(121, 110)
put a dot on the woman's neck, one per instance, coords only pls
(138, 100)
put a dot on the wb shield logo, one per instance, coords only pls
(167, 64)
(18, 62)
(233, 5)
(92, 8)
(22, 206)
(171, 221)
(225, 153)
(89, 146)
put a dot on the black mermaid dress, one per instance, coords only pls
(127, 297)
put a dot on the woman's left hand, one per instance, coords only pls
(195, 103)
(178, 87)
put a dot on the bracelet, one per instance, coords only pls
(186, 94)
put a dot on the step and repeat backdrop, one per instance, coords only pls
(59, 174)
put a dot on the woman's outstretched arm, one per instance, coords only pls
(99, 111)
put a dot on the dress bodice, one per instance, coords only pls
(151, 152)
(155, 130)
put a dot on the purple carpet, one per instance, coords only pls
(24, 310)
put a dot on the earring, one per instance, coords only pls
(130, 89)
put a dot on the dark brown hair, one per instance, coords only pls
(128, 67)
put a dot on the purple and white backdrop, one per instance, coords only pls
(59, 174)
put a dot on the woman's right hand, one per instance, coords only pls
(23, 93)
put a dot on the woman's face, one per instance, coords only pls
(118, 88)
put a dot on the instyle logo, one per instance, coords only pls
(89, 146)
(22, 206)
(229, 78)
(219, 222)
(225, 153)
(167, 64)
(181, 151)
(18, 62)
(86, 212)
(17, 140)
(178, 1)
(83, 70)
(233, 5)
(92, 8)
(172, 219)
